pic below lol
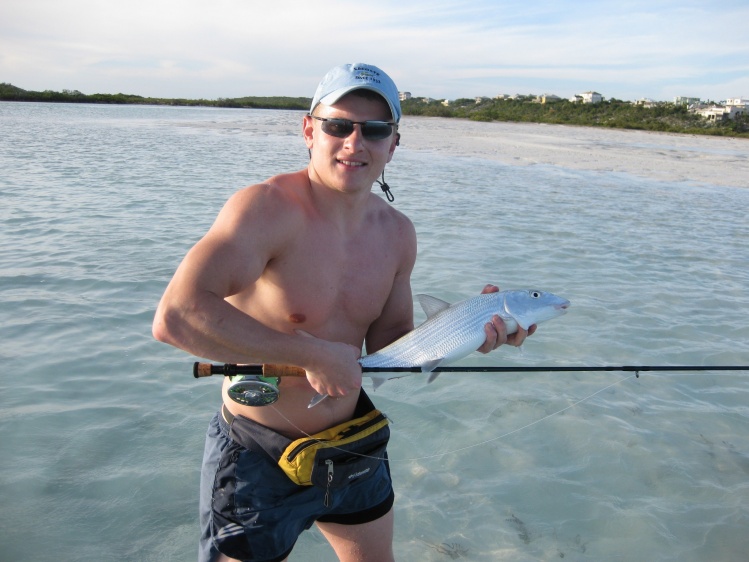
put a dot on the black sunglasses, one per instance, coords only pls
(370, 130)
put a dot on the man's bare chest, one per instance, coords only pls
(327, 288)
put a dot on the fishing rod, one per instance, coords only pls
(201, 370)
(257, 385)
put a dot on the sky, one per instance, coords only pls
(443, 49)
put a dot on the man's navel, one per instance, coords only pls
(297, 318)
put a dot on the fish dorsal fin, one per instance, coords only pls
(432, 305)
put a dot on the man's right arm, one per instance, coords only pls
(195, 316)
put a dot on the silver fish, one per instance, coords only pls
(453, 331)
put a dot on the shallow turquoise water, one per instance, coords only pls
(101, 428)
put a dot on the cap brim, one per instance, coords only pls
(336, 95)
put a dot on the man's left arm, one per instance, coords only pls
(397, 316)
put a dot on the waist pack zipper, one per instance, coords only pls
(330, 479)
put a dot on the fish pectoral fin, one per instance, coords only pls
(432, 305)
(429, 367)
(377, 382)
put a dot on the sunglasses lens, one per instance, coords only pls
(376, 130)
(340, 128)
(371, 130)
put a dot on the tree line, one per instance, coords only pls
(8, 92)
(663, 117)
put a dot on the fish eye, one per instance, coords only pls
(535, 294)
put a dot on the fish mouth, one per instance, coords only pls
(564, 306)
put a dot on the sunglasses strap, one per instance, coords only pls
(386, 188)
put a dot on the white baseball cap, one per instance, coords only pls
(343, 79)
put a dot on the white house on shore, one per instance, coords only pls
(683, 100)
(737, 106)
(719, 112)
(711, 113)
(587, 97)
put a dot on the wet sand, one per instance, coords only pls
(661, 156)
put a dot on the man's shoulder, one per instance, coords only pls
(387, 213)
(282, 192)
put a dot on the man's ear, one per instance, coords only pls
(308, 130)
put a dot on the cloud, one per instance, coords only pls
(443, 48)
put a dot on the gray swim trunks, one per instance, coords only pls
(252, 511)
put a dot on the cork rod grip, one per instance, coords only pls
(283, 371)
(200, 370)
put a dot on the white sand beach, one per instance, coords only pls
(660, 156)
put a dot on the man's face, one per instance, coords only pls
(350, 164)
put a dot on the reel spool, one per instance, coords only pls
(254, 390)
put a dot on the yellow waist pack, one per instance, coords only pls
(339, 455)
(330, 459)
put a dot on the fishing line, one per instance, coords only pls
(519, 428)
(467, 447)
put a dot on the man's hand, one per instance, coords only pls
(337, 371)
(496, 331)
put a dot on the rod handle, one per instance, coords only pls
(270, 370)
(200, 370)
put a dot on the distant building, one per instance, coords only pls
(737, 106)
(481, 99)
(587, 97)
(404, 96)
(646, 102)
(681, 100)
(731, 109)
(501, 97)
(591, 97)
(548, 98)
(445, 102)
(711, 113)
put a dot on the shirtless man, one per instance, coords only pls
(302, 270)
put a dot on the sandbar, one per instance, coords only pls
(700, 159)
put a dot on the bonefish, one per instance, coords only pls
(453, 331)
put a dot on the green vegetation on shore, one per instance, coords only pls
(663, 117)
(9, 92)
